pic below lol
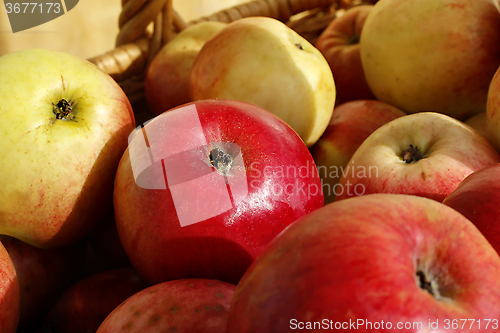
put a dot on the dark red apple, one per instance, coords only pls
(9, 293)
(477, 197)
(203, 188)
(43, 275)
(84, 306)
(376, 263)
(187, 305)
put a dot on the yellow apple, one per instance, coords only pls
(64, 126)
(432, 55)
(262, 61)
(166, 84)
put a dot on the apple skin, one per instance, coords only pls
(43, 275)
(451, 151)
(479, 122)
(166, 84)
(432, 55)
(478, 199)
(351, 123)
(364, 258)
(262, 61)
(84, 306)
(273, 181)
(186, 305)
(9, 293)
(339, 43)
(493, 110)
(57, 174)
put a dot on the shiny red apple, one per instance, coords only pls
(203, 188)
(477, 197)
(377, 263)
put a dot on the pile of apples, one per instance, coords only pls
(348, 183)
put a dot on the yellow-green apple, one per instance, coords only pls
(63, 126)
(381, 262)
(185, 305)
(9, 293)
(339, 43)
(425, 154)
(43, 275)
(493, 109)
(432, 55)
(262, 61)
(203, 188)
(166, 84)
(85, 305)
(479, 122)
(478, 198)
(352, 122)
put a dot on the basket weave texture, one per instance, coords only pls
(147, 25)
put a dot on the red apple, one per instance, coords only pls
(43, 275)
(215, 181)
(351, 124)
(84, 306)
(9, 293)
(339, 43)
(426, 154)
(370, 264)
(478, 198)
(187, 305)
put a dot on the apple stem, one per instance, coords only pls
(220, 160)
(411, 155)
(62, 109)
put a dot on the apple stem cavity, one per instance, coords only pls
(220, 160)
(62, 110)
(353, 39)
(411, 155)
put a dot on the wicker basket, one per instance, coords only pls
(147, 25)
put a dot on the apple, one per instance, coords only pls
(352, 122)
(262, 61)
(479, 122)
(425, 154)
(9, 293)
(85, 305)
(186, 305)
(63, 126)
(166, 84)
(43, 275)
(370, 264)
(215, 181)
(432, 55)
(477, 197)
(493, 110)
(339, 44)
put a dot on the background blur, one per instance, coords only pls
(91, 27)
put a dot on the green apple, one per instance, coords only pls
(432, 55)
(64, 126)
(166, 84)
(262, 61)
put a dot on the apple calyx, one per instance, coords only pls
(353, 39)
(411, 155)
(424, 284)
(62, 110)
(220, 160)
